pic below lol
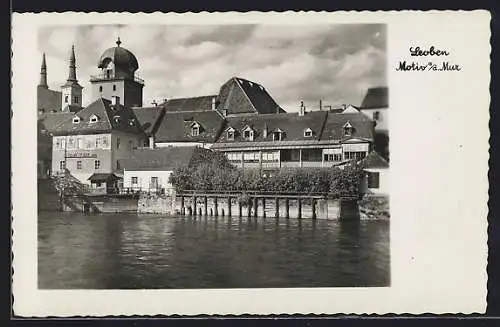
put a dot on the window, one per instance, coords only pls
(63, 144)
(65, 99)
(118, 167)
(78, 164)
(376, 115)
(277, 136)
(195, 131)
(333, 157)
(94, 119)
(62, 165)
(373, 180)
(134, 180)
(308, 132)
(117, 142)
(154, 182)
(130, 145)
(270, 156)
(76, 99)
(251, 157)
(71, 143)
(114, 87)
(79, 143)
(76, 120)
(356, 155)
(248, 134)
(230, 135)
(100, 88)
(234, 157)
(98, 184)
(97, 164)
(348, 129)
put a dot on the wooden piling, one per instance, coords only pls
(200, 212)
(205, 204)
(222, 213)
(255, 206)
(194, 205)
(190, 211)
(313, 208)
(229, 206)
(264, 207)
(240, 209)
(216, 207)
(277, 207)
(299, 207)
(287, 208)
(183, 210)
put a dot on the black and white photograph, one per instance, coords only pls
(246, 164)
(213, 156)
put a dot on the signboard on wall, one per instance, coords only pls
(81, 155)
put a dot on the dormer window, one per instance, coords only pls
(131, 122)
(278, 135)
(376, 115)
(308, 132)
(117, 119)
(76, 120)
(94, 119)
(248, 133)
(195, 129)
(230, 134)
(348, 129)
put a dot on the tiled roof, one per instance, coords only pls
(98, 177)
(374, 160)
(239, 95)
(48, 100)
(167, 158)
(72, 108)
(377, 97)
(109, 118)
(334, 126)
(149, 118)
(291, 124)
(176, 126)
(200, 103)
(50, 121)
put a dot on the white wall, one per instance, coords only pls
(383, 181)
(144, 178)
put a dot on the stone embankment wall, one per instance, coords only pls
(159, 204)
(374, 207)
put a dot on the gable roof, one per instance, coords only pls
(374, 160)
(48, 100)
(334, 126)
(239, 95)
(167, 158)
(176, 126)
(50, 121)
(127, 123)
(376, 97)
(149, 118)
(200, 103)
(291, 124)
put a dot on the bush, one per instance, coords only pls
(215, 173)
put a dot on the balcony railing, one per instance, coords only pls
(105, 77)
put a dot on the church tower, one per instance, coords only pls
(71, 90)
(116, 77)
(43, 74)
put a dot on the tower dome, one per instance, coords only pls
(120, 57)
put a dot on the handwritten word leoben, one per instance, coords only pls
(432, 51)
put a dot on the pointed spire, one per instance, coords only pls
(118, 42)
(72, 66)
(43, 73)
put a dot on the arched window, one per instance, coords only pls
(100, 88)
(114, 87)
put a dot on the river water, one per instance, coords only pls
(130, 251)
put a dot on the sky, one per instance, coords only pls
(332, 63)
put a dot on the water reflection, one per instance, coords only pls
(130, 251)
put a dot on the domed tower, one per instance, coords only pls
(117, 78)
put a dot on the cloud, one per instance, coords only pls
(335, 63)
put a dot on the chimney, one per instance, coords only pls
(115, 100)
(213, 103)
(151, 142)
(302, 110)
(320, 105)
(264, 132)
